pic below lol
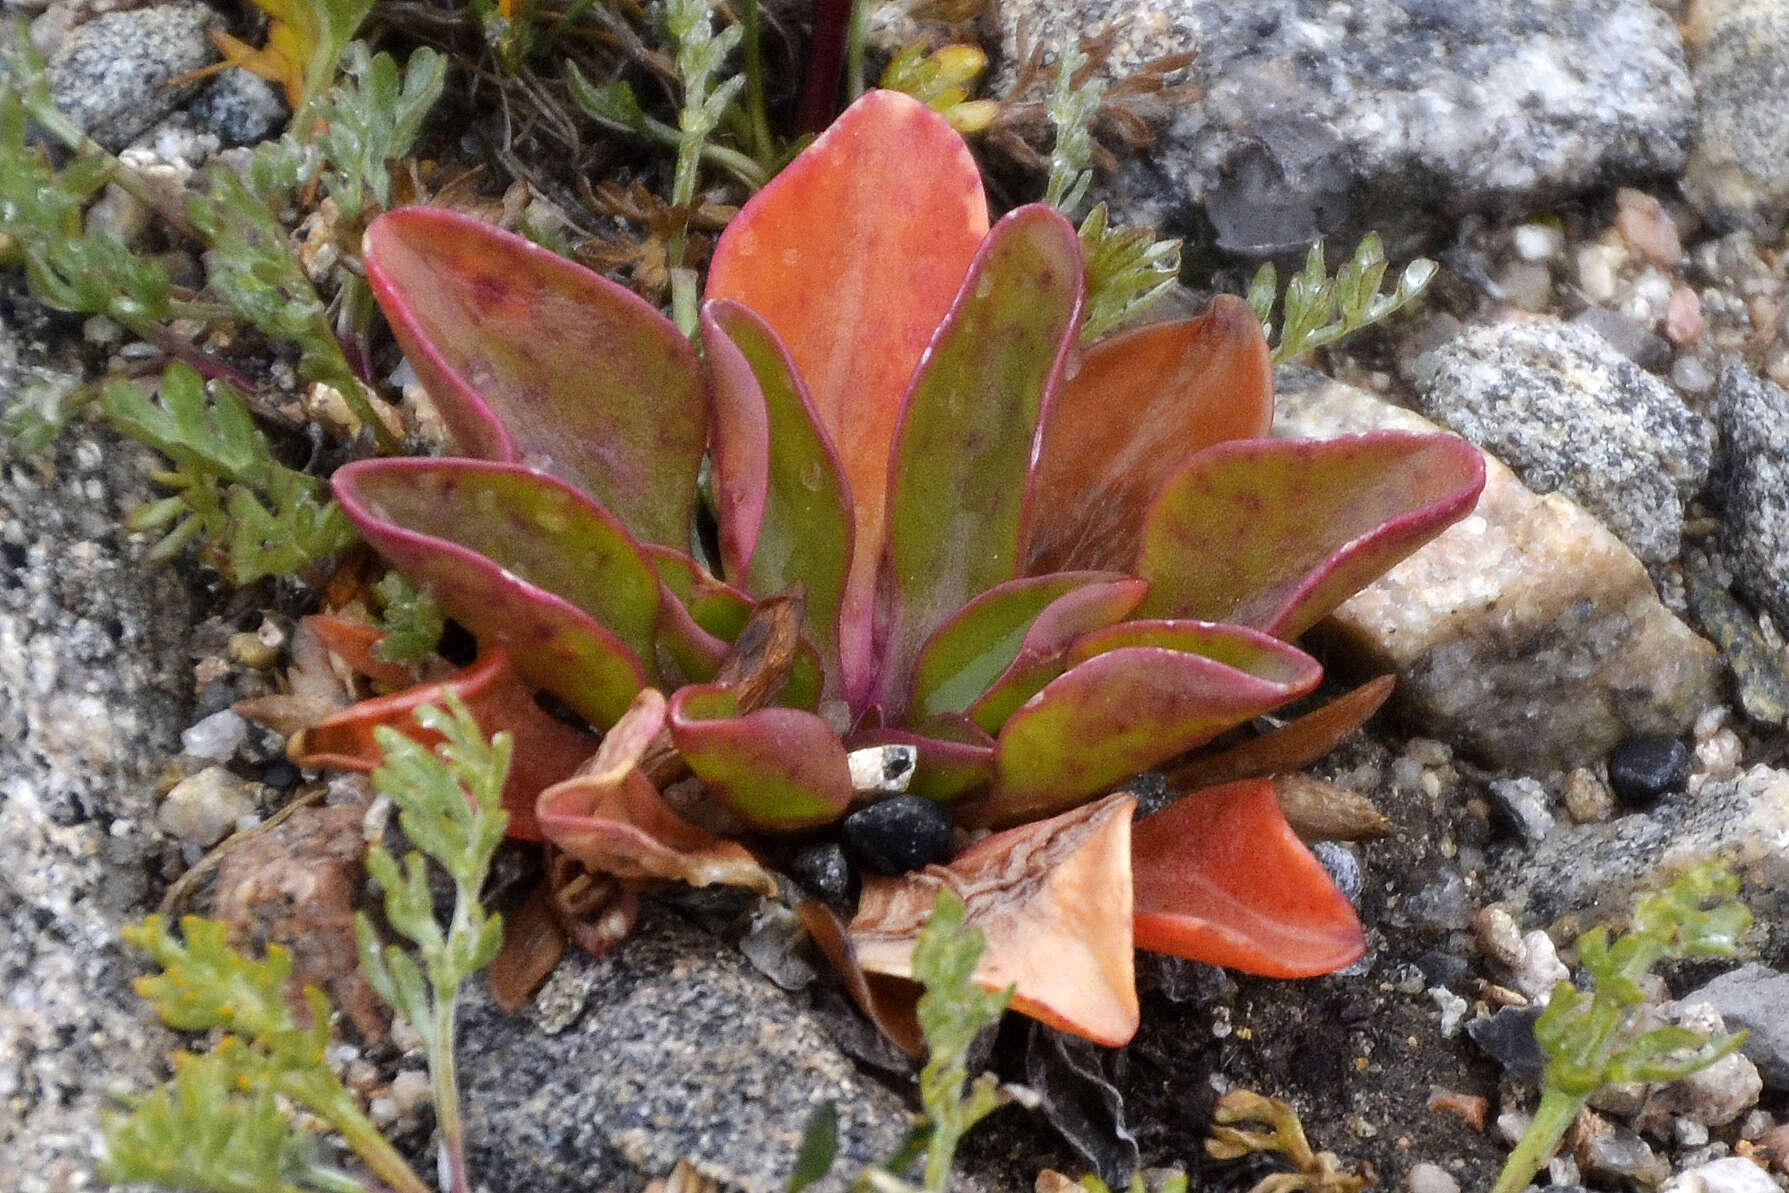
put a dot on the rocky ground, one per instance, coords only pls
(1591, 668)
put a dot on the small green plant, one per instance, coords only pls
(410, 616)
(1590, 1037)
(224, 1123)
(1319, 310)
(952, 1012)
(254, 516)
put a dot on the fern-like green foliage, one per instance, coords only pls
(252, 267)
(1590, 1037)
(410, 616)
(1128, 271)
(1071, 111)
(42, 211)
(450, 806)
(254, 516)
(1319, 310)
(374, 116)
(224, 1123)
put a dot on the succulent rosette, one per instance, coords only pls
(940, 521)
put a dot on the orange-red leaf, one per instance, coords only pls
(1130, 411)
(852, 255)
(546, 751)
(612, 819)
(1053, 900)
(1221, 877)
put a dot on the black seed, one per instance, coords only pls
(1645, 768)
(897, 835)
(823, 870)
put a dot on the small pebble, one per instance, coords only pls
(1587, 798)
(1508, 1038)
(881, 770)
(1687, 1132)
(216, 738)
(1642, 222)
(1453, 1010)
(1430, 1178)
(1536, 242)
(281, 775)
(1524, 803)
(897, 835)
(1683, 317)
(202, 808)
(410, 1091)
(1692, 376)
(1596, 271)
(1643, 770)
(1607, 1151)
(249, 650)
(1732, 1175)
(1755, 1124)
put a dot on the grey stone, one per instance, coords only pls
(1752, 484)
(681, 1050)
(111, 76)
(1756, 998)
(1396, 115)
(1527, 632)
(1589, 873)
(240, 108)
(1626, 336)
(1524, 801)
(1755, 666)
(1734, 1174)
(216, 738)
(1738, 172)
(1570, 414)
(94, 682)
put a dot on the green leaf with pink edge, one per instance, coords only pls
(968, 432)
(1130, 410)
(701, 617)
(956, 757)
(853, 254)
(545, 750)
(1043, 654)
(533, 358)
(777, 769)
(1127, 708)
(1275, 533)
(1219, 876)
(980, 641)
(522, 560)
(783, 507)
(612, 819)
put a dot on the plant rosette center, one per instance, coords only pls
(945, 531)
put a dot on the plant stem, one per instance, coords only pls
(445, 1088)
(52, 121)
(1552, 1119)
(325, 1096)
(856, 35)
(756, 106)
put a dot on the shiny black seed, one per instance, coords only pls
(1645, 768)
(897, 835)
(824, 871)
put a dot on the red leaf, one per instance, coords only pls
(853, 255)
(1220, 877)
(1130, 411)
(1053, 900)
(545, 750)
(612, 819)
(532, 358)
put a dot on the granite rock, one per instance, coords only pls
(240, 108)
(1589, 873)
(1756, 998)
(670, 1046)
(1738, 172)
(1751, 484)
(1526, 632)
(94, 683)
(111, 75)
(1564, 409)
(1394, 115)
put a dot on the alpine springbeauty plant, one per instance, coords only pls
(942, 523)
